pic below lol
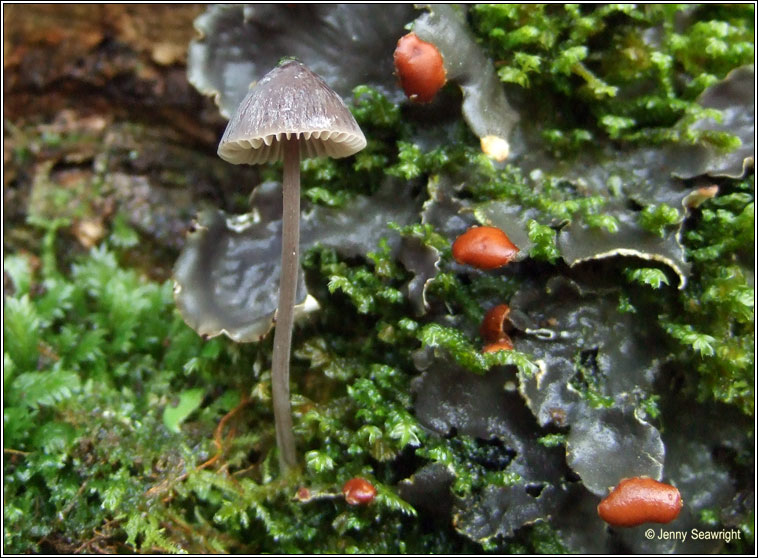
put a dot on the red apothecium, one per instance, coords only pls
(504, 344)
(484, 248)
(640, 500)
(358, 491)
(494, 325)
(419, 68)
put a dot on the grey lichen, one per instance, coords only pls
(734, 98)
(346, 44)
(227, 276)
(612, 445)
(579, 243)
(226, 280)
(485, 108)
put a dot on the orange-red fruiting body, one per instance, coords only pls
(494, 326)
(419, 67)
(358, 491)
(504, 344)
(640, 500)
(484, 248)
(303, 494)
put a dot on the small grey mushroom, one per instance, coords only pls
(290, 102)
(289, 114)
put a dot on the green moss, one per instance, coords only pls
(126, 432)
(84, 395)
(655, 218)
(715, 318)
(552, 440)
(602, 63)
(710, 322)
(545, 540)
(543, 238)
(650, 276)
(91, 415)
(606, 222)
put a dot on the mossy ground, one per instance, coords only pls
(124, 431)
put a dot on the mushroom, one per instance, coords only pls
(289, 114)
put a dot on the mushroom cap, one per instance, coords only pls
(290, 102)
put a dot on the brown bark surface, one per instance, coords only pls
(100, 121)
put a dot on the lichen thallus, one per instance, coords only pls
(291, 113)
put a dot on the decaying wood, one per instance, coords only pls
(101, 121)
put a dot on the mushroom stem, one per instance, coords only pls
(280, 369)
